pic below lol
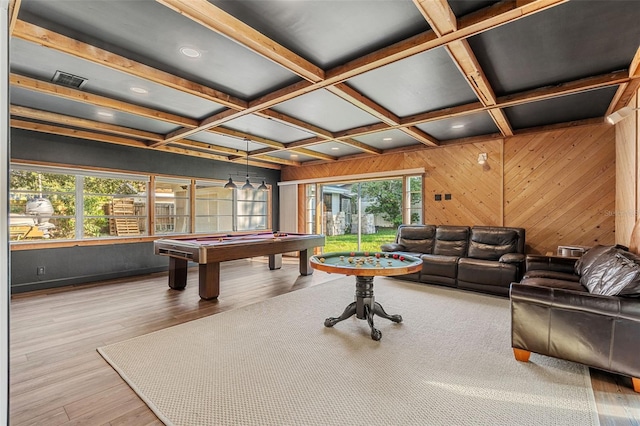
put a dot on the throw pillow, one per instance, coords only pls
(613, 272)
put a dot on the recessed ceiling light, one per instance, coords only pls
(294, 156)
(457, 126)
(190, 52)
(335, 148)
(387, 139)
(139, 90)
(105, 113)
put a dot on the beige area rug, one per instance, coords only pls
(274, 363)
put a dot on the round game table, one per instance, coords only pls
(365, 266)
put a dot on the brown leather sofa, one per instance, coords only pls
(481, 258)
(555, 310)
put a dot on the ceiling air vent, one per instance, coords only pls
(69, 80)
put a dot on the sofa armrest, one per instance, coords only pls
(512, 258)
(550, 263)
(392, 247)
(598, 331)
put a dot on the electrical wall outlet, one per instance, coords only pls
(40, 270)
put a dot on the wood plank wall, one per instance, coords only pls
(558, 185)
(627, 158)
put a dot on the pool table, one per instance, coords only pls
(208, 251)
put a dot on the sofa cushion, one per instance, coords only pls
(437, 265)
(451, 240)
(551, 282)
(615, 272)
(555, 275)
(417, 239)
(491, 243)
(486, 272)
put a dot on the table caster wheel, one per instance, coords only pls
(376, 334)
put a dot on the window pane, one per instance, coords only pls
(42, 205)
(114, 207)
(214, 209)
(252, 210)
(415, 199)
(311, 209)
(172, 207)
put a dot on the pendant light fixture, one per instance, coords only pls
(247, 183)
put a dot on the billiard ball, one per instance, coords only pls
(401, 258)
(395, 255)
(377, 255)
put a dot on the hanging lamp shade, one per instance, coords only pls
(247, 184)
(230, 184)
(263, 187)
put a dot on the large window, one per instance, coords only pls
(62, 204)
(252, 209)
(114, 206)
(214, 208)
(219, 209)
(42, 204)
(172, 206)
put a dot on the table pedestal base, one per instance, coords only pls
(365, 307)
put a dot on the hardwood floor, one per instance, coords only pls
(58, 378)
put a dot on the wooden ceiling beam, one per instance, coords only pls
(314, 154)
(191, 153)
(356, 98)
(627, 91)
(361, 146)
(97, 100)
(302, 151)
(294, 122)
(589, 83)
(495, 16)
(486, 19)
(305, 142)
(52, 117)
(207, 147)
(242, 135)
(501, 120)
(14, 9)
(272, 159)
(563, 89)
(75, 133)
(439, 15)
(322, 133)
(217, 20)
(61, 43)
(420, 136)
(442, 19)
(466, 61)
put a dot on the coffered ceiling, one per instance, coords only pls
(316, 80)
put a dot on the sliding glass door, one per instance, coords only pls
(362, 215)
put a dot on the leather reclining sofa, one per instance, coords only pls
(480, 258)
(585, 310)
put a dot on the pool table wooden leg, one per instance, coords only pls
(209, 280)
(275, 261)
(305, 266)
(177, 273)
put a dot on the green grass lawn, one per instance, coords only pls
(369, 242)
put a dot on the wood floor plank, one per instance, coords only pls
(58, 378)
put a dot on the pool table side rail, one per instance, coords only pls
(233, 250)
